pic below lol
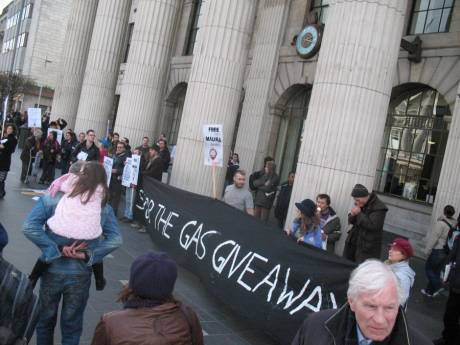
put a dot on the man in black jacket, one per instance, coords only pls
(371, 316)
(116, 188)
(284, 197)
(451, 333)
(164, 154)
(154, 167)
(366, 218)
(86, 149)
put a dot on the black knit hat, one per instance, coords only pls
(359, 191)
(153, 276)
(307, 207)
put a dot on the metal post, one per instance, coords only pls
(39, 96)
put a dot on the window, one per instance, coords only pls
(431, 16)
(320, 9)
(128, 46)
(414, 143)
(194, 28)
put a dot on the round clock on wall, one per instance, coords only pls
(308, 41)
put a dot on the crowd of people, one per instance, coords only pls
(378, 291)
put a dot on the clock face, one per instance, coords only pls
(308, 41)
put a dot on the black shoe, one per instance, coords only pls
(100, 284)
(439, 341)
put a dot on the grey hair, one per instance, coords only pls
(372, 276)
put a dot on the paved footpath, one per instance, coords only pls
(221, 326)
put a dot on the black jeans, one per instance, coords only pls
(48, 171)
(115, 194)
(433, 267)
(451, 333)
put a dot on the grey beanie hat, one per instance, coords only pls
(359, 191)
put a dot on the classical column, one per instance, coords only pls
(349, 102)
(255, 123)
(102, 68)
(214, 89)
(73, 61)
(147, 67)
(448, 191)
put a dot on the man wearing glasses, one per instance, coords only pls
(87, 150)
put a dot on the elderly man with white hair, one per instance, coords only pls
(371, 316)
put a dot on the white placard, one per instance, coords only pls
(127, 173)
(58, 132)
(136, 164)
(34, 117)
(213, 145)
(82, 156)
(108, 164)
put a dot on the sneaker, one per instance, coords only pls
(142, 230)
(437, 292)
(136, 225)
(424, 292)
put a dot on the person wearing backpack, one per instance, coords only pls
(435, 249)
(451, 332)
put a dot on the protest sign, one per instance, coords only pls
(108, 164)
(264, 276)
(126, 178)
(213, 145)
(136, 165)
(34, 117)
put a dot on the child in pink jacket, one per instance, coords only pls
(81, 211)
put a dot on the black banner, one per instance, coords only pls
(256, 270)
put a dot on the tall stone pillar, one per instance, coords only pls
(349, 102)
(214, 89)
(147, 67)
(102, 68)
(73, 62)
(255, 122)
(448, 191)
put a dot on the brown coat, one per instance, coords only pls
(154, 168)
(163, 325)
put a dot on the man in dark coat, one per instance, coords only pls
(284, 197)
(7, 148)
(366, 219)
(451, 332)
(154, 167)
(116, 188)
(164, 154)
(88, 148)
(371, 316)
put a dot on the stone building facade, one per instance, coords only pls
(361, 110)
(39, 42)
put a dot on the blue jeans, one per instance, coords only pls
(433, 267)
(129, 198)
(73, 289)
